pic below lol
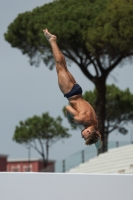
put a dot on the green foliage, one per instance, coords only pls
(44, 129)
(119, 108)
(111, 32)
(92, 33)
(60, 17)
(40, 127)
(100, 26)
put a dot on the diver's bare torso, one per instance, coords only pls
(80, 110)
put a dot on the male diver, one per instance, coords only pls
(79, 111)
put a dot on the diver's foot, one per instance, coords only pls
(49, 36)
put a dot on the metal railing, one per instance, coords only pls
(83, 156)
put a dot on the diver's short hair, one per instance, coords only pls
(93, 137)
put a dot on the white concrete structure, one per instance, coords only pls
(117, 161)
(45, 186)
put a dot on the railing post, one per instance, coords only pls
(63, 166)
(117, 144)
(83, 157)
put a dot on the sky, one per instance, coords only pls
(26, 90)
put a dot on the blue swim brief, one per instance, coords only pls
(76, 89)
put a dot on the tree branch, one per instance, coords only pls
(85, 51)
(35, 147)
(114, 127)
(41, 145)
(117, 125)
(93, 62)
(109, 69)
(99, 65)
(82, 68)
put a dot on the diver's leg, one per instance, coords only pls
(65, 78)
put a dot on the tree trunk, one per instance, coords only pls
(47, 150)
(100, 111)
(44, 161)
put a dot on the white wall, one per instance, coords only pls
(40, 186)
